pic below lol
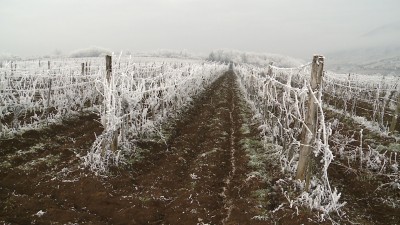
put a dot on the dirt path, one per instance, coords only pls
(200, 179)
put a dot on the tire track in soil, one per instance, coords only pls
(196, 182)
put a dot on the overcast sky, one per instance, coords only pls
(296, 28)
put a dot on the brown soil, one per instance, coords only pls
(199, 177)
(366, 192)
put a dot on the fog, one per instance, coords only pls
(295, 28)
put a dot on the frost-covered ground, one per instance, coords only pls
(156, 90)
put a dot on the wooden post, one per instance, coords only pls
(376, 104)
(108, 68)
(269, 73)
(1, 129)
(83, 68)
(49, 95)
(86, 68)
(114, 141)
(47, 112)
(308, 133)
(395, 115)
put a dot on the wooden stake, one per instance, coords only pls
(114, 141)
(308, 131)
(269, 73)
(48, 102)
(108, 68)
(49, 95)
(395, 115)
(83, 68)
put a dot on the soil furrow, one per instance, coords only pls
(196, 175)
(228, 202)
(199, 178)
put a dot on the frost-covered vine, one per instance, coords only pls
(137, 99)
(373, 97)
(34, 94)
(280, 96)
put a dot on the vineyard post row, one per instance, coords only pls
(32, 90)
(395, 115)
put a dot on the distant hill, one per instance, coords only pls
(387, 31)
(383, 60)
(377, 51)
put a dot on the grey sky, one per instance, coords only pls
(296, 28)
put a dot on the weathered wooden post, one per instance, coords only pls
(395, 115)
(1, 129)
(86, 68)
(114, 141)
(308, 132)
(49, 95)
(269, 73)
(376, 103)
(230, 66)
(83, 68)
(108, 68)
